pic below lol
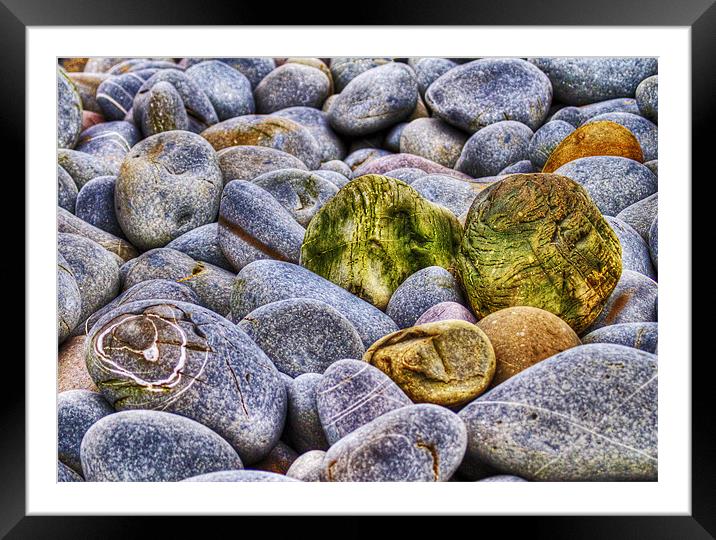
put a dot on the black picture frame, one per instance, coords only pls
(699, 15)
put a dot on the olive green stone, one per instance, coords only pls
(447, 363)
(539, 240)
(374, 233)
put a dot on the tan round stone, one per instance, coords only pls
(447, 362)
(72, 371)
(522, 336)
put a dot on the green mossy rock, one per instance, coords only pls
(539, 240)
(374, 233)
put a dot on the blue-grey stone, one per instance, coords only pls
(69, 111)
(337, 179)
(433, 139)
(160, 108)
(571, 115)
(654, 242)
(69, 299)
(647, 98)
(131, 65)
(152, 446)
(291, 85)
(352, 393)
(644, 130)
(184, 359)
(407, 174)
(581, 80)
(109, 141)
(422, 290)
(546, 139)
(66, 190)
(635, 251)
(248, 162)
(613, 183)
(419, 443)
(634, 299)
(265, 281)
(653, 166)
(639, 335)
(69, 223)
(474, 95)
(303, 425)
(240, 476)
(95, 205)
(494, 147)
(338, 166)
(503, 478)
(253, 225)
(519, 167)
(626, 105)
(374, 100)
(82, 167)
(364, 155)
(115, 95)
(586, 414)
(77, 410)
(65, 474)
(202, 244)
(316, 121)
(344, 70)
(307, 468)
(428, 70)
(455, 195)
(641, 214)
(254, 69)
(228, 90)
(391, 141)
(301, 335)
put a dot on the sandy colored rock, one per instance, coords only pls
(604, 138)
(522, 336)
(447, 363)
(72, 371)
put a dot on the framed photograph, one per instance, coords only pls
(403, 267)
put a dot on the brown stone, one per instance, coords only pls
(279, 459)
(71, 367)
(447, 363)
(522, 336)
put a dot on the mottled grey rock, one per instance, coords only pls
(428, 70)
(503, 478)
(95, 205)
(169, 184)
(580, 80)
(641, 214)
(337, 179)
(344, 70)
(66, 190)
(519, 167)
(249, 162)
(474, 95)
(626, 105)
(635, 251)
(65, 474)
(586, 414)
(612, 182)
(82, 167)
(337, 166)
(202, 244)
(132, 65)
(69, 223)
(307, 468)
(266, 281)
(644, 130)
(291, 85)
(210, 283)
(633, 300)
(360, 157)
(374, 100)
(69, 111)
(352, 393)
(86, 85)
(109, 141)
(316, 121)
(444, 311)
(77, 410)
(303, 425)
(240, 476)
(654, 242)
(254, 69)
(228, 90)
(408, 174)
(190, 361)
(571, 115)
(278, 460)
(433, 139)
(160, 108)
(301, 335)
(647, 98)
(419, 443)
(390, 162)
(546, 139)
(422, 290)
(94, 268)
(99, 64)
(455, 195)
(301, 193)
(391, 141)
(494, 147)
(115, 95)
(653, 166)
(69, 299)
(152, 446)
(253, 225)
(639, 335)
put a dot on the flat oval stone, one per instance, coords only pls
(337, 166)
(538, 240)
(94, 268)
(77, 410)
(420, 443)
(644, 130)
(192, 362)
(307, 467)
(344, 69)
(603, 138)
(301, 335)
(580, 80)
(474, 95)
(352, 393)
(269, 131)
(586, 414)
(115, 95)
(494, 147)
(291, 85)
(66, 190)
(409, 175)
(109, 141)
(337, 179)
(432, 139)
(240, 476)
(69, 299)
(639, 335)
(587, 112)
(228, 90)
(613, 183)
(254, 69)
(69, 223)
(647, 98)
(654, 242)
(635, 252)
(303, 425)
(546, 139)
(420, 291)
(265, 281)
(152, 446)
(316, 121)
(358, 158)
(95, 205)
(249, 162)
(445, 311)
(69, 111)
(202, 244)
(375, 233)
(571, 115)
(634, 300)
(184, 191)
(374, 100)
(641, 214)
(428, 70)
(448, 363)
(522, 336)
(455, 195)
(519, 167)
(82, 167)
(391, 162)
(253, 225)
